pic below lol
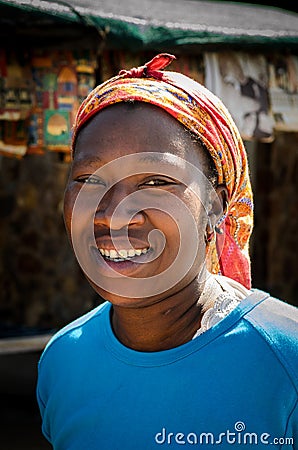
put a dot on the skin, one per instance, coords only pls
(171, 318)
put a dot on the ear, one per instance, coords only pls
(217, 206)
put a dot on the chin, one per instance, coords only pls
(133, 301)
(137, 300)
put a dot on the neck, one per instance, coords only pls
(166, 324)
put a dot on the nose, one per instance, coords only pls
(115, 211)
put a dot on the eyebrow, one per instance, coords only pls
(144, 158)
(90, 160)
(97, 159)
(166, 158)
(151, 158)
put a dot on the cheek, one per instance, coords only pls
(195, 212)
(166, 222)
(181, 223)
(70, 196)
(80, 205)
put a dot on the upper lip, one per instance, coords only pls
(107, 243)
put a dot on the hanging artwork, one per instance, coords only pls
(283, 91)
(15, 103)
(86, 78)
(35, 143)
(56, 129)
(62, 79)
(40, 92)
(241, 81)
(16, 87)
(13, 138)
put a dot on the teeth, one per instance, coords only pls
(121, 255)
(113, 254)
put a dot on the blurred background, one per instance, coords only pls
(52, 54)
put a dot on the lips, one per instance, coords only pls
(118, 248)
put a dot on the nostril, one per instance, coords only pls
(119, 218)
(119, 207)
(137, 218)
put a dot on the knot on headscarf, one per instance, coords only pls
(150, 69)
(203, 113)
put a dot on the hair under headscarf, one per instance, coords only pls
(200, 111)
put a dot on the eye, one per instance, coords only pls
(158, 182)
(90, 179)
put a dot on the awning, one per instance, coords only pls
(161, 24)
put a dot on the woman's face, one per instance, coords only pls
(137, 171)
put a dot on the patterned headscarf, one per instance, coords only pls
(204, 114)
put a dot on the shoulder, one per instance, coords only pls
(277, 323)
(71, 332)
(276, 317)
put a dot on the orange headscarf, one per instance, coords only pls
(204, 114)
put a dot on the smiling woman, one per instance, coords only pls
(158, 209)
(140, 195)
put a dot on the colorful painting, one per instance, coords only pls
(283, 91)
(56, 129)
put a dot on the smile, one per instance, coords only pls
(122, 255)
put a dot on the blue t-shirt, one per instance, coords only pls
(234, 386)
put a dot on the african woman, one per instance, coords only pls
(159, 211)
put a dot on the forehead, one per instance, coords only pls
(127, 128)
